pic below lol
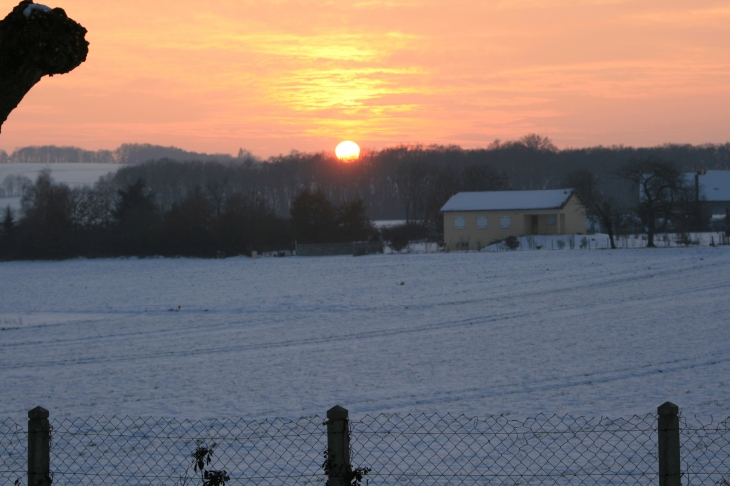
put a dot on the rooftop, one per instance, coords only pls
(507, 200)
(714, 184)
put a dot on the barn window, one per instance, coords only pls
(481, 222)
(551, 219)
(505, 222)
(459, 222)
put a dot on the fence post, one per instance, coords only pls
(39, 448)
(338, 446)
(668, 427)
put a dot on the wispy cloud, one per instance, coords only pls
(278, 74)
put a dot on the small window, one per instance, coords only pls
(551, 219)
(481, 222)
(459, 222)
(505, 222)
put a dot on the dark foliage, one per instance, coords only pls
(46, 227)
(202, 457)
(399, 236)
(599, 207)
(411, 182)
(7, 234)
(512, 242)
(136, 221)
(244, 204)
(314, 219)
(59, 222)
(666, 201)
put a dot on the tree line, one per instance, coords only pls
(391, 181)
(209, 208)
(107, 220)
(127, 153)
(667, 201)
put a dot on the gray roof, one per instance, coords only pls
(507, 200)
(714, 184)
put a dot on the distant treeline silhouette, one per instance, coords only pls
(128, 153)
(56, 222)
(407, 182)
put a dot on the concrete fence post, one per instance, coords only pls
(338, 446)
(668, 427)
(39, 448)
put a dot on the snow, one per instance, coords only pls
(714, 184)
(601, 241)
(507, 200)
(610, 333)
(35, 6)
(388, 223)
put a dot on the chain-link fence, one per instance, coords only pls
(562, 450)
(142, 451)
(705, 452)
(14, 450)
(425, 449)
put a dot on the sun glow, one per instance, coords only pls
(347, 151)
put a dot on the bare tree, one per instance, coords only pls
(662, 189)
(36, 41)
(599, 207)
(414, 178)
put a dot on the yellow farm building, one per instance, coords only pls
(472, 220)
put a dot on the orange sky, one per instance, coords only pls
(276, 75)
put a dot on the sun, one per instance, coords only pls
(347, 151)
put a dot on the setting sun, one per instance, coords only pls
(347, 151)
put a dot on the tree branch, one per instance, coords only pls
(36, 41)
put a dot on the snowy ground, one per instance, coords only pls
(601, 241)
(593, 333)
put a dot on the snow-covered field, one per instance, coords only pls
(593, 333)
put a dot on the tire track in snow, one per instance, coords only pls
(176, 328)
(528, 388)
(360, 335)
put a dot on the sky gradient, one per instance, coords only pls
(276, 75)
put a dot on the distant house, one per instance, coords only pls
(472, 220)
(712, 186)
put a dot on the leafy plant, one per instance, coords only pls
(353, 477)
(202, 457)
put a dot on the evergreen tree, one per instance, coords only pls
(46, 226)
(137, 220)
(313, 217)
(352, 222)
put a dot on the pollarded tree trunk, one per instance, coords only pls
(36, 41)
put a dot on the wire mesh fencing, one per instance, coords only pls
(705, 452)
(147, 451)
(14, 450)
(424, 449)
(451, 450)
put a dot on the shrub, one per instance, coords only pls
(512, 242)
